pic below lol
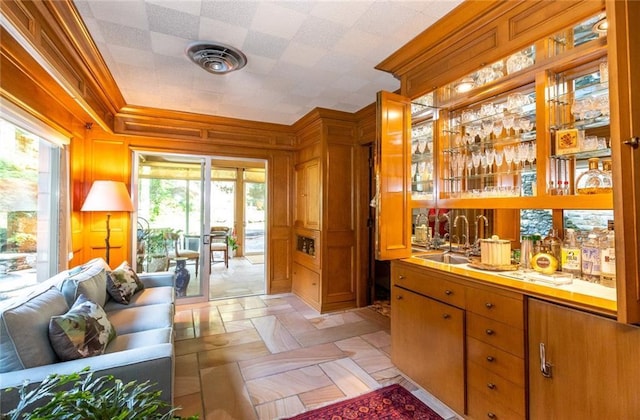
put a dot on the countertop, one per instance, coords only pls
(579, 293)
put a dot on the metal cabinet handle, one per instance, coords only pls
(489, 331)
(490, 359)
(489, 305)
(491, 386)
(633, 142)
(400, 276)
(448, 292)
(399, 297)
(446, 316)
(491, 415)
(545, 367)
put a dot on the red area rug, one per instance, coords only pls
(390, 402)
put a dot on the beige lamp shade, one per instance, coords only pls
(108, 196)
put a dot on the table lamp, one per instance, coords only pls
(108, 196)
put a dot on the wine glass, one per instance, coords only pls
(499, 157)
(469, 164)
(475, 158)
(509, 155)
(497, 128)
(508, 122)
(531, 154)
(525, 125)
(484, 162)
(422, 144)
(487, 128)
(414, 169)
(491, 157)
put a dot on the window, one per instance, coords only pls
(29, 209)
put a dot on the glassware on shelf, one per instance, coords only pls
(593, 181)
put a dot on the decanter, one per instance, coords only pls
(593, 181)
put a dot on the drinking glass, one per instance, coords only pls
(487, 128)
(509, 155)
(499, 157)
(422, 144)
(525, 125)
(475, 158)
(508, 122)
(487, 110)
(491, 157)
(414, 169)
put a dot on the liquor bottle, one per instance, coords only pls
(608, 257)
(593, 181)
(571, 260)
(591, 258)
(553, 245)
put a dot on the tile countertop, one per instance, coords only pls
(580, 293)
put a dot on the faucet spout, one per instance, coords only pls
(466, 228)
(486, 224)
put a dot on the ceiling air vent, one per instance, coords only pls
(216, 58)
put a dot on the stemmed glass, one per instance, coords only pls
(525, 125)
(414, 169)
(487, 128)
(508, 122)
(475, 158)
(509, 155)
(490, 156)
(531, 154)
(499, 156)
(484, 162)
(469, 164)
(497, 128)
(422, 144)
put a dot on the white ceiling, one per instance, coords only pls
(301, 54)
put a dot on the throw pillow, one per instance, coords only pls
(122, 283)
(83, 331)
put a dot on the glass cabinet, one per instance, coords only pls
(422, 152)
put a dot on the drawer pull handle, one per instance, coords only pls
(489, 331)
(448, 292)
(401, 277)
(446, 316)
(490, 359)
(491, 386)
(399, 297)
(489, 305)
(491, 415)
(313, 284)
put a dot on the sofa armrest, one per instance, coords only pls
(163, 278)
(152, 363)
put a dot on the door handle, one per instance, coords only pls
(633, 142)
(545, 367)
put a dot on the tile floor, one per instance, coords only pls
(269, 357)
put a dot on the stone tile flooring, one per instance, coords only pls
(269, 357)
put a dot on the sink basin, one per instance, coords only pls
(445, 258)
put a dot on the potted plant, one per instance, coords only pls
(232, 241)
(157, 259)
(80, 396)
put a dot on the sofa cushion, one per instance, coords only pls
(123, 283)
(149, 296)
(24, 339)
(140, 339)
(142, 318)
(83, 331)
(90, 281)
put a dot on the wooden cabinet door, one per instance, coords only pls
(624, 63)
(308, 192)
(306, 283)
(428, 344)
(594, 368)
(393, 177)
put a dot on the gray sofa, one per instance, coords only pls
(142, 349)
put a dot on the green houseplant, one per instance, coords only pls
(79, 396)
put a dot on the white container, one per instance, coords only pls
(495, 251)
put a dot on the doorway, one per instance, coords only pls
(180, 201)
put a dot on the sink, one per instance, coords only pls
(444, 258)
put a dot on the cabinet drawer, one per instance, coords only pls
(495, 360)
(437, 288)
(509, 310)
(500, 335)
(479, 407)
(306, 283)
(496, 389)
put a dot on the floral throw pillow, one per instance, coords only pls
(122, 283)
(83, 331)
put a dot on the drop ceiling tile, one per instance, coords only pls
(173, 22)
(191, 7)
(349, 83)
(302, 55)
(260, 65)
(223, 32)
(343, 12)
(382, 20)
(272, 19)
(131, 56)
(233, 12)
(135, 16)
(319, 32)
(264, 45)
(170, 45)
(339, 63)
(125, 36)
(358, 43)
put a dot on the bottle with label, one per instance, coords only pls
(552, 244)
(608, 257)
(591, 258)
(571, 261)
